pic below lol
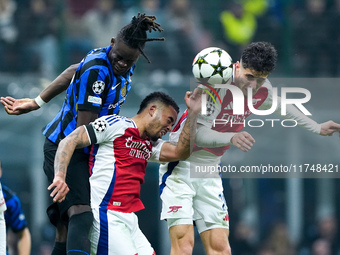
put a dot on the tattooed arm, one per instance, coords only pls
(182, 149)
(76, 140)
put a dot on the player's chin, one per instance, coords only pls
(119, 71)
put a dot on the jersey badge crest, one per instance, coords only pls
(123, 91)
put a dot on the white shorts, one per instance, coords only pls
(117, 233)
(186, 200)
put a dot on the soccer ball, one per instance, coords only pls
(212, 66)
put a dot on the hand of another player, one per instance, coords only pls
(60, 189)
(243, 140)
(18, 106)
(329, 127)
(193, 100)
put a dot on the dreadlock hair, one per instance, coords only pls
(260, 57)
(160, 97)
(134, 34)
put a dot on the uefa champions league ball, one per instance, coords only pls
(212, 66)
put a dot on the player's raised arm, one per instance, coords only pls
(77, 139)
(209, 138)
(20, 106)
(329, 128)
(182, 149)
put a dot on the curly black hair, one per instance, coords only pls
(134, 34)
(260, 57)
(158, 96)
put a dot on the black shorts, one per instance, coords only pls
(77, 179)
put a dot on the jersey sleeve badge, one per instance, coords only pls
(100, 125)
(98, 87)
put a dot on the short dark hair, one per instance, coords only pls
(158, 96)
(134, 34)
(260, 57)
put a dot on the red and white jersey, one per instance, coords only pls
(117, 163)
(2, 201)
(235, 123)
(262, 99)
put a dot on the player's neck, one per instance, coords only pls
(141, 124)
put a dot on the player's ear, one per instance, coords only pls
(152, 109)
(113, 40)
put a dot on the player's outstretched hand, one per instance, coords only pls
(18, 106)
(243, 140)
(60, 189)
(329, 128)
(193, 100)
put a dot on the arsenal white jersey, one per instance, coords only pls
(117, 163)
(2, 201)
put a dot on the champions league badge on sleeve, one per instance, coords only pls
(98, 87)
(100, 125)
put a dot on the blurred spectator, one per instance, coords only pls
(157, 52)
(312, 33)
(321, 247)
(256, 7)
(264, 250)
(239, 27)
(75, 42)
(185, 35)
(334, 39)
(40, 33)
(8, 34)
(279, 241)
(103, 22)
(242, 239)
(16, 222)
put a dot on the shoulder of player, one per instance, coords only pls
(10, 197)
(113, 121)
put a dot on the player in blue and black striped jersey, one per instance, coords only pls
(16, 221)
(99, 87)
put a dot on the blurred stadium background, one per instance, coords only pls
(273, 216)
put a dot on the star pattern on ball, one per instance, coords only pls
(201, 60)
(218, 51)
(218, 69)
(100, 125)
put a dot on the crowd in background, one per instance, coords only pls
(46, 36)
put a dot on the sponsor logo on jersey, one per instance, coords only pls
(94, 100)
(116, 203)
(174, 209)
(226, 217)
(116, 85)
(112, 106)
(138, 149)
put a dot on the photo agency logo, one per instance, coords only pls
(235, 110)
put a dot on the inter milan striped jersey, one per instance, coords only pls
(118, 162)
(14, 215)
(94, 88)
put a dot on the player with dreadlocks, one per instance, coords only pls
(98, 87)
